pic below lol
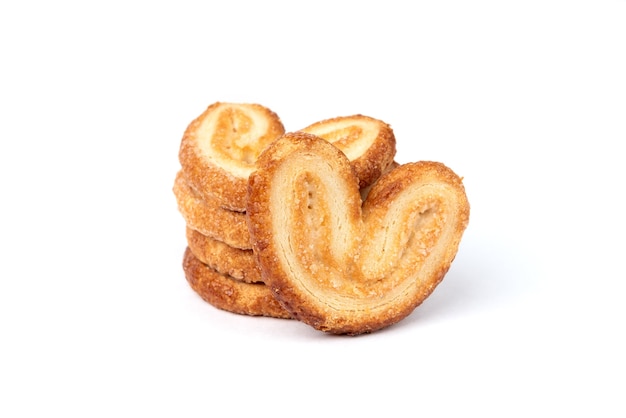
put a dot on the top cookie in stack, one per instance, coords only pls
(220, 147)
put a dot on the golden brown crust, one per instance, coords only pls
(369, 143)
(340, 267)
(209, 218)
(229, 294)
(366, 190)
(237, 263)
(219, 149)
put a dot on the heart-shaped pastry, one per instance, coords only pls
(342, 265)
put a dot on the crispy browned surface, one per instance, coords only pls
(209, 218)
(366, 190)
(237, 263)
(229, 294)
(219, 149)
(340, 267)
(348, 133)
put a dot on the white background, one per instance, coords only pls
(526, 100)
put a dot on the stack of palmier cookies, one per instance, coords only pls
(217, 154)
(274, 228)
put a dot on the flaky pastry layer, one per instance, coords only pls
(237, 263)
(207, 216)
(341, 265)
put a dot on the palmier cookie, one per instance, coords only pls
(237, 263)
(369, 143)
(339, 266)
(229, 294)
(219, 148)
(209, 218)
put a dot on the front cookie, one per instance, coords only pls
(339, 265)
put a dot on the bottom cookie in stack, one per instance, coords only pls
(230, 294)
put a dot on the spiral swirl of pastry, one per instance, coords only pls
(340, 266)
(369, 143)
(220, 147)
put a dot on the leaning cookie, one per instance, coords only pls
(369, 143)
(342, 265)
(237, 263)
(229, 294)
(209, 218)
(219, 148)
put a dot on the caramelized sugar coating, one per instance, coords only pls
(342, 265)
(208, 217)
(237, 263)
(230, 294)
(220, 147)
(369, 143)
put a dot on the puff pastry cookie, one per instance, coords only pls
(220, 147)
(230, 294)
(340, 266)
(369, 143)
